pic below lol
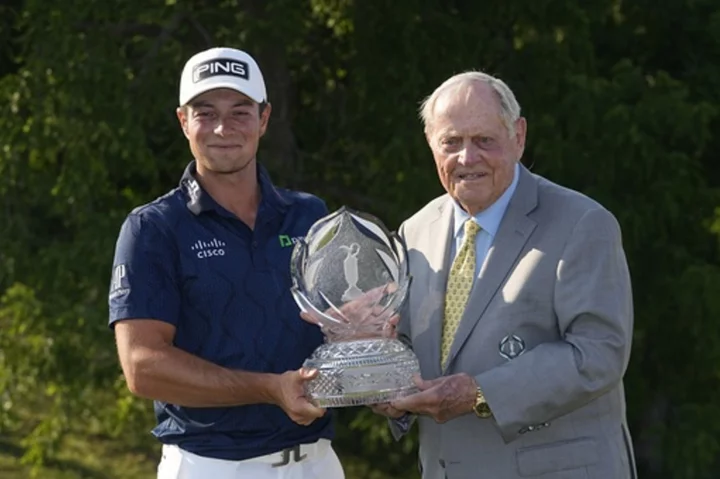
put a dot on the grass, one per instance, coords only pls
(87, 452)
(100, 458)
(90, 458)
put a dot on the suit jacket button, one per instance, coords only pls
(442, 463)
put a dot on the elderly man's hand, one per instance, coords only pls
(360, 316)
(442, 399)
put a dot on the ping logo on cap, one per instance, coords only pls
(220, 66)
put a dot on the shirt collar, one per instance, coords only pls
(200, 201)
(490, 218)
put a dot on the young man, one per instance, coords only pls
(200, 298)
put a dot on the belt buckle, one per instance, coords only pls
(296, 456)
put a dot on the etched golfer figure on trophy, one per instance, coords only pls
(350, 276)
(351, 272)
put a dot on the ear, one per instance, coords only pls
(429, 136)
(520, 133)
(265, 118)
(182, 115)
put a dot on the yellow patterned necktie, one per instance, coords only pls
(460, 280)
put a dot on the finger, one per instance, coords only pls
(375, 293)
(379, 408)
(392, 322)
(406, 404)
(390, 332)
(318, 412)
(306, 316)
(376, 409)
(389, 412)
(306, 374)
(409, 403)
(419, 402)
(425, 384)
(421, 383)
(303, 421)
(309, 411)
(392, 412)
(304, 412)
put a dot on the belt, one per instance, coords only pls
(296, 453)
(280, 458)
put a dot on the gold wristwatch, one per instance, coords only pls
(481, 408)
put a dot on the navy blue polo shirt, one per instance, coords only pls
(186, 260)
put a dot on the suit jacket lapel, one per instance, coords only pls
(439, 233)
(515, 229)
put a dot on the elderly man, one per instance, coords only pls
(520, 311)
(200, 299)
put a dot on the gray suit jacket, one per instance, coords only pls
(555, 277)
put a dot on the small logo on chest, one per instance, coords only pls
(287, 241)
(206, 249)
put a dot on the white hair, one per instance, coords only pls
(509, 106)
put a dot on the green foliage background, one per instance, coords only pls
(622, 101)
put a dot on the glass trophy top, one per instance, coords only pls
(350, 274)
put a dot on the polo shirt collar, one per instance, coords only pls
(200, 201)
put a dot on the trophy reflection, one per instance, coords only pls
(350, 274)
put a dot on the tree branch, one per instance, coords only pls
(160, 40)
(203, 31)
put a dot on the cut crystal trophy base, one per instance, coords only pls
(361, 372)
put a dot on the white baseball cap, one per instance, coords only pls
(222, 68)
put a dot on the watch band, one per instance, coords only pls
(481, 408)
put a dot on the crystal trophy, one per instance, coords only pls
(350, 274)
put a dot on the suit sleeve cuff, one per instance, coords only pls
(500, 415)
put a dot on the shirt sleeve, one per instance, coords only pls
(322, 208)
(144, 282)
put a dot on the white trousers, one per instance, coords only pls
(312, 461)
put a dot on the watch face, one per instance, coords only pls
(483, 410)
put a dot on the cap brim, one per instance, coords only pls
(255, 96)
